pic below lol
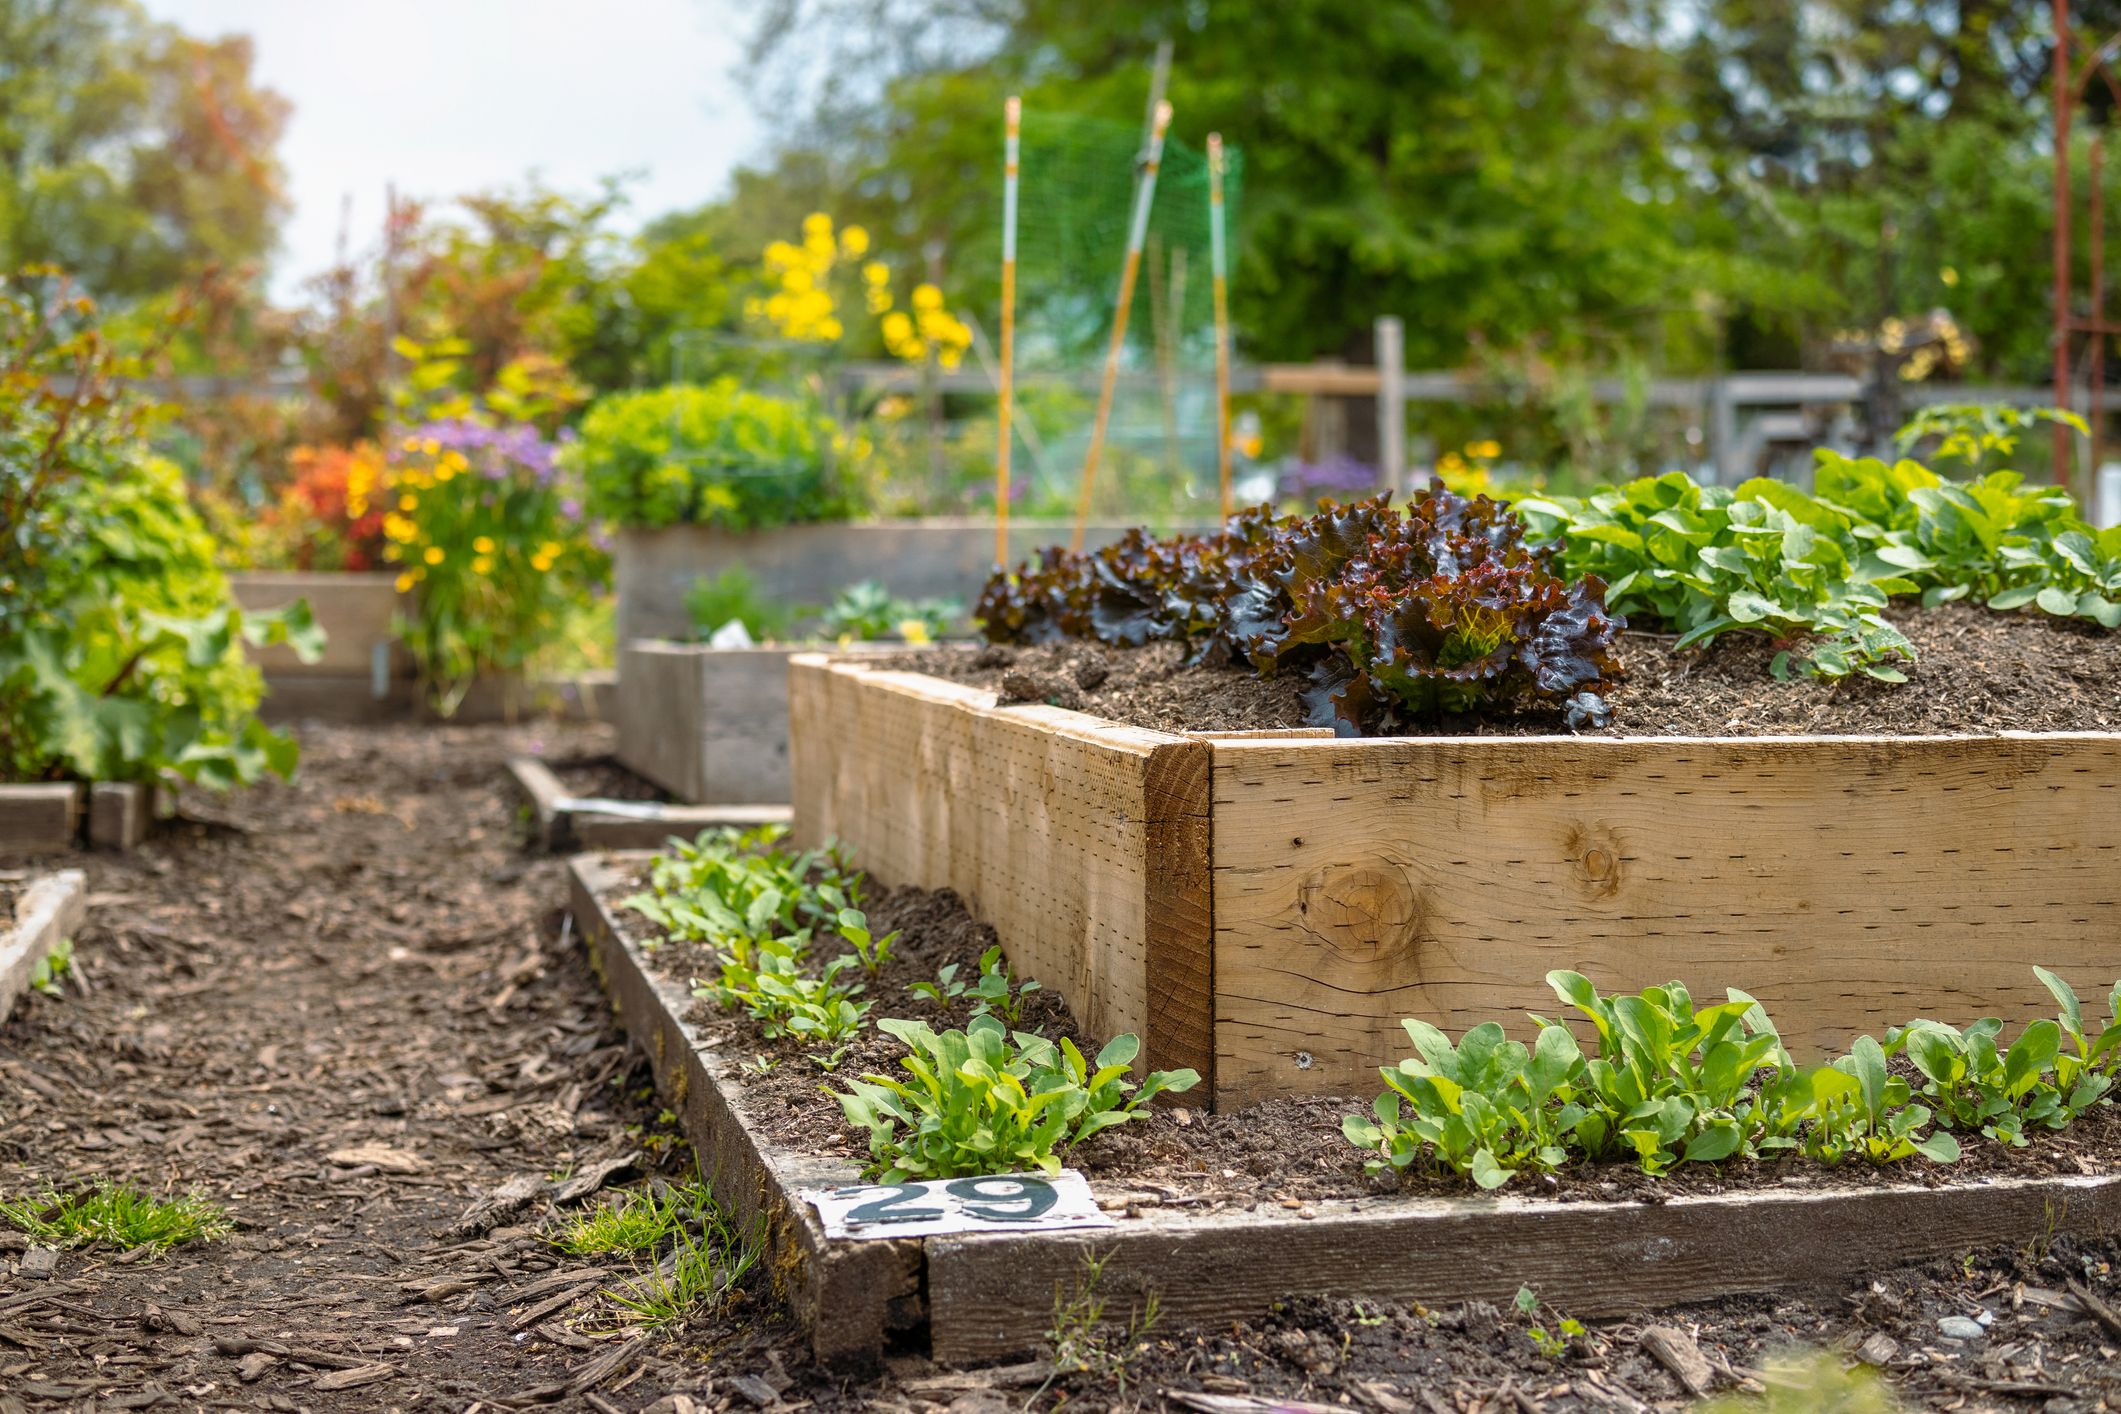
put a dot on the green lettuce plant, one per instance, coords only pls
(984, 1100)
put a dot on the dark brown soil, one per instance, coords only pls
(1977, 671)
(603, 778)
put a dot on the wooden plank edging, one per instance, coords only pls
(50, 909)
(852, 1298)
(564, 823)
(1084, 843)
(991, 1296)
(40, 817)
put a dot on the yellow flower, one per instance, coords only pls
(433, 555)
(431, 447)
(876, 272)
(1948, 275)
(405, 581)
(817, 223)
(408, 502)
(550, 550)
(484, 544)
(854, 241)
(913, 631)
(828, 328)
(928, 297)
(480, 564)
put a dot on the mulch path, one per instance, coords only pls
(347, 1011)
(1977, 670)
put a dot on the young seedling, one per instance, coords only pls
(1555, 1343)
(983, 1101)
(874, 952)
(49, 973)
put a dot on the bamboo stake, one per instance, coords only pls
(1137, 234)
(1012, 114)
(1222, 317)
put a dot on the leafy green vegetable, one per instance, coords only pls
(983, 1100)
(867, 611)
(1393, 616)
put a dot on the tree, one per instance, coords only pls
(131, 154)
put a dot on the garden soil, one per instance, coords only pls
(348, 1011)
(1976, 670)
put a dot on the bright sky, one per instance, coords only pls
(448, 96)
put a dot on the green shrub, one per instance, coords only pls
(121, 652)
(714, 454)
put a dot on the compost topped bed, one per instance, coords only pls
(1977, 671)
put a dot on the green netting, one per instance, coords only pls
(1077, 193)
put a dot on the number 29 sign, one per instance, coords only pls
(994, 1203)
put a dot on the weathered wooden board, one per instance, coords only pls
(1849, 883)
(991, 1297)
(563, 822)
(356, 611)
(709, 725)
(120, 813)
(43, 818)
(853, 1298)
(49, 910)
(1084, 844)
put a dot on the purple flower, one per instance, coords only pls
(1339, 475)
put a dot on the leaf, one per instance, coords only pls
(1710, 1145)
(1487, 1172)
(2014, 598)
(2057, 600)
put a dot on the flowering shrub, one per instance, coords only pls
(713, 454)
(804, 305)
(330, 516)
(1337, 476)
(485, 524)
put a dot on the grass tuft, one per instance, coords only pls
(640, 1221)
(707, 1257)
(118, 1214)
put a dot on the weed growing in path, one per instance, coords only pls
(117, 1214)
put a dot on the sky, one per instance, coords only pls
(448, 96)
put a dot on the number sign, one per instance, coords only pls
(994, 1203)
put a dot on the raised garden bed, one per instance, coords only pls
(365, 673)
(709, 725)
(1265, 906)
(991, 1296)
(35, 917)
(46, 818)
(567, 817)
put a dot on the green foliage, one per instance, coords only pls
(991, 994)
(1971, 433)
(715, 454)
(867, 611)
(1552, 1344)
(117, 1214)
(121, 651)
(1767, 557)
(733, 597)
(982, 1100)
(137, 156)
(1992, 539)
(1710, 560)
(640, 1220)
(48, 973)
(1669, 1083)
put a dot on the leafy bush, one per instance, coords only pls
(1392, 616)
(330, 513)
(120, 649)
(733, 597)
(982, 1100)
(714, 454)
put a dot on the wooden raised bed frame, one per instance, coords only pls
(1266, 907)
(49, 909)
(990, 1296)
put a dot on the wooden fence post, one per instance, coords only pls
(1392, 403)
